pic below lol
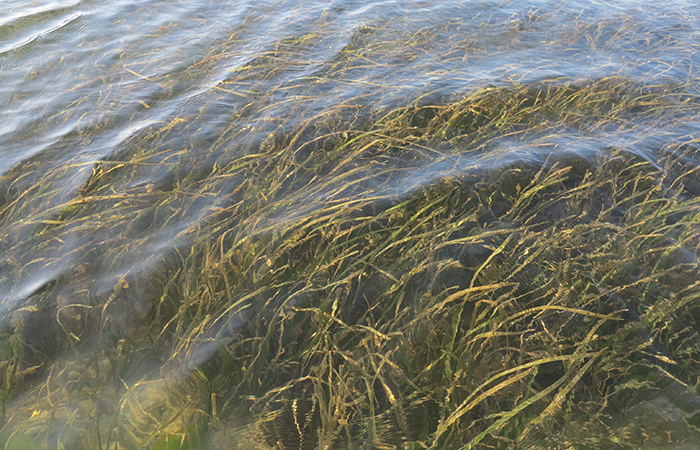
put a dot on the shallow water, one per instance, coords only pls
(87, 82)
(106, 104)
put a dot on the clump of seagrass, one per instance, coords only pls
(315, 298)
(442, 323)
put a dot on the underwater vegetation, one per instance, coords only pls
(466, 271)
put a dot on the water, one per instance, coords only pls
(131, 132)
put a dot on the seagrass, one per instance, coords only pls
(366, 278)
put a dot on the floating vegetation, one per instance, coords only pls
(476, 270)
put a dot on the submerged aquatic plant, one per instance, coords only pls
(367, 277)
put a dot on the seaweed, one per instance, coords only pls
(365, 277)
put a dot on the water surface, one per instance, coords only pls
(134, 133)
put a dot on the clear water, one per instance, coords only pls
(82, 82)
(85, 82)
